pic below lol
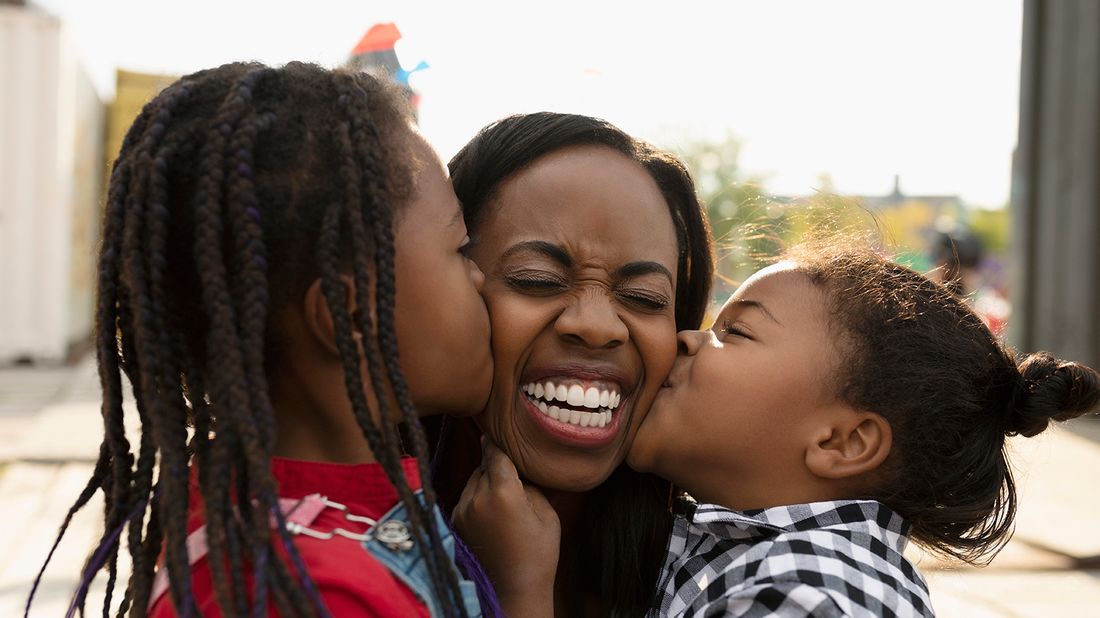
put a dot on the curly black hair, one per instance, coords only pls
(917, 354)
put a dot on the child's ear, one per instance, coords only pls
(319, 318)
(852, 444)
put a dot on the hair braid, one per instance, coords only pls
(248, 287)
(107, 354)
(252, 289)
(98, 474)
(169, 423)
(171, 364)
(356, 141)
(120, 493)
(144, 268)
(231, 388)
(226, 386)
(445, 579)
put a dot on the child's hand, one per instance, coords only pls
(514, 532)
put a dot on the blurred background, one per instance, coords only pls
(965, 134)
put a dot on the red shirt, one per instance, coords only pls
(350, 580)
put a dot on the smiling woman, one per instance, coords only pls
(595, 252)
(587, 305)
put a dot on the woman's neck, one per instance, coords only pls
(569, 505)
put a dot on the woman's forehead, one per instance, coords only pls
(594, 202)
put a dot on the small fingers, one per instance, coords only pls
(499, 469)
(540, 506)
(475, 486)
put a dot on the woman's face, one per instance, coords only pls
(580, 258)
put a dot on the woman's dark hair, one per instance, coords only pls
(615, 567)
(234, 189)
(918, 355)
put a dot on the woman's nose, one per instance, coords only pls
(592, 320)
(689, 341)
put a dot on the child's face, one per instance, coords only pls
(442, 324)
(737, 407)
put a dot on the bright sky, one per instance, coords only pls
(860, 89)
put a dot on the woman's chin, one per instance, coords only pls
(546, 477)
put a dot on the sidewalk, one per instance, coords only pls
(49, 436)
(1051, 567)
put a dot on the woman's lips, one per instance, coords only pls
(578, 405)
(574, 434)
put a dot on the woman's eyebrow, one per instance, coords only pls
(752, 304)
(550, 250)
(635, 269)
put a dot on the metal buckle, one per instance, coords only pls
(393, 534)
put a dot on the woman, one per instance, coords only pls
(596, 252)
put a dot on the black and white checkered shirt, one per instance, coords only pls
(840, 558)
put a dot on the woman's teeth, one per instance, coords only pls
(600, 402)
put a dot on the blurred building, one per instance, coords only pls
(132, 91)
(938, 204)
(51, 175)
(1056, 182)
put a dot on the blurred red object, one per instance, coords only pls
(380, 37)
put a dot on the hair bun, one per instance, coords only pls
(1051, 389)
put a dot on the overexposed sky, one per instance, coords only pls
(859, 89)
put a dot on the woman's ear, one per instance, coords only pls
(319, 318)
(854, 443)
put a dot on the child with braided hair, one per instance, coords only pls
(276, 244)
(840, 405)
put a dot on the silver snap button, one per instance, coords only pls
(394, 534)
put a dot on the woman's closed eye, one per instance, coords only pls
(644, 299)
(536, 282)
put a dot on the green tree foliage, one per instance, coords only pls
(751, 226)
(992, 227)
(736, 204)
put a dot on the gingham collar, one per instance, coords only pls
(869, 515)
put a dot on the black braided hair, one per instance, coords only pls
(234, 189)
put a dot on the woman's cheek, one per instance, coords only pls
(658, 350)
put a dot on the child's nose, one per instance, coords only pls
(689, 341)
(476, 276)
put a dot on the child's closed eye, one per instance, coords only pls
(468, 243)
(731, 328)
